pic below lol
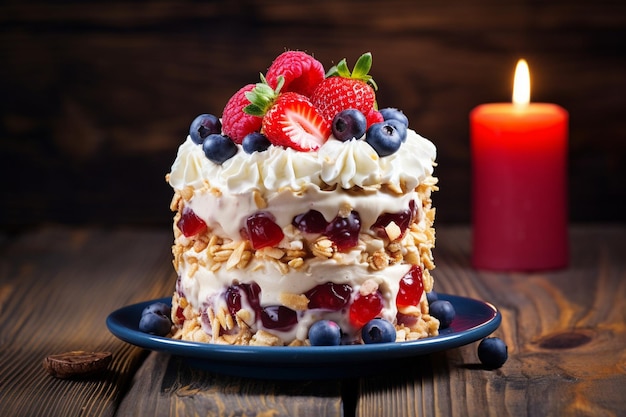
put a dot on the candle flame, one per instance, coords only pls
(521, 84)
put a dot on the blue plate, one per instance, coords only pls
(474, 320)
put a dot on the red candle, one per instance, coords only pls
(519, 180)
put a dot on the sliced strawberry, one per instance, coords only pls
(302, 72)
(236, 124)
(294, 122)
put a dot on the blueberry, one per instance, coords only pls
(492, 352)
(386, 137)
(255, 142)
(349, 124)
(155, 319)
(158, 308)
(443, 311)
(203, 126)
(431, 297)
(391, 113)
(219, 148)
(378, 331)
(325, 333)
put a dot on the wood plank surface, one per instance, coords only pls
(57, 287)
(166, 386)
(565, 331)
(97, 96)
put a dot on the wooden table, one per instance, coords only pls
(565, 331)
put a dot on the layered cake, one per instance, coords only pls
(303, 203)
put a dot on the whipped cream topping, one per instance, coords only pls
(345, 164)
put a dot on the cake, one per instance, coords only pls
(302, 204)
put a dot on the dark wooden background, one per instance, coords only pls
(96, 96)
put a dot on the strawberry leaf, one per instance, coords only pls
(362, 66)
(360, 72)
(262, 97)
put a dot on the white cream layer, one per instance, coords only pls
(345, 164)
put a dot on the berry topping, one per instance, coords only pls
(289, 119)
(161, 309)
(155, 319)
(493, 352)
(325, 333)
(190, 224)
(402, 219)
(378, 331)
(302, 72)
(344, 231)
(203, 126)
(329, 296)
(233, 299)
(310, 222)
(344, 89)
(443, 311)
(293, 122)
(349, 124)
(218, 148)
(236, 124)
(386, 137)
(391, 113)
(234, 293)
(365, 307)
(374, 116)
(180, 315)
(411, 288)
(431, 297)
(255, 142)
(278, 317)
(263, 231)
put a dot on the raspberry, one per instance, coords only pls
(235, 123)
(373, 117)
(301, 71)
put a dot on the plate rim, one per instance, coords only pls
(303, 356)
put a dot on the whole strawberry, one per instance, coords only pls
(235, 123)
(289, 119)
(343, 89)
(302, 72)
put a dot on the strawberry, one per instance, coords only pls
(302, 72)
(343, 89)
(289, 119)
(235, 123)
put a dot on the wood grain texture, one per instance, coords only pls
(167, 386)
(57, 287)
(96, 97)
(565, 330)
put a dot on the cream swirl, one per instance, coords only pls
(349, 164)
(188, 167)
(346, 164)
